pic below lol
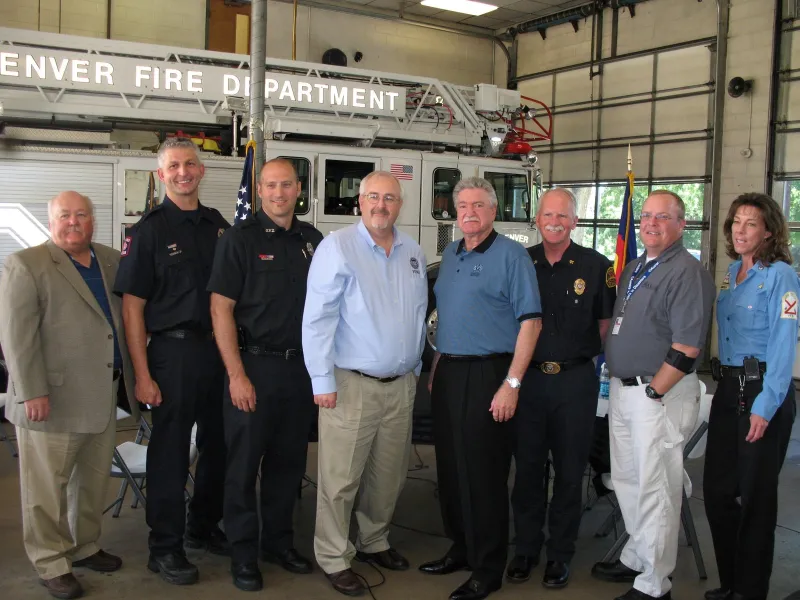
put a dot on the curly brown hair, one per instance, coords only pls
(776, 247)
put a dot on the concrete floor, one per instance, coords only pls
(417, 509)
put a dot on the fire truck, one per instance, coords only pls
(87, 114)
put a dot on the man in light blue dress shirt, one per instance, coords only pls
(363, 335)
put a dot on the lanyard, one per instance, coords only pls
(631, 287)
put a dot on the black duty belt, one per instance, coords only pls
(267, 351)
(381, 379)
(736, 372)
(632, 381)
(467, 357)
(186, 334)
(551, 367)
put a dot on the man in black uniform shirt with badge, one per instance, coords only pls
(162, 278)
(258, 290)
(558, 398)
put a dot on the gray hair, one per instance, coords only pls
(176, 142)
(567, 192)
(362, 188)
(52, 201)
(475, 183)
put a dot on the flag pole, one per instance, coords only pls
(630, 159)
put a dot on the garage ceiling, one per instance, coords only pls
(508, 13)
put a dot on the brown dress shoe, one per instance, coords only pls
(63, 586)
(100, 561)
(345, 582)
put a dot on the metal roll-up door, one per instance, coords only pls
(219, 189)
(27, 186)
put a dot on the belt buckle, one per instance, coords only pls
(550, 368)
(290, 353)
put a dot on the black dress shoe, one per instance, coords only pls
(718, 594)
(290, 559)
(174, 568)
(473, 589)
(520, 567)
(615, 572)
(556, 574)
(444, 566)
(214, 541)
(247, 577)
(634, 594)
(345, 582)
(388, 559)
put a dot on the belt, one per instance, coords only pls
(549, 367)
(381, 379)
(117, 373)
(467, 357)
(730, 371)
(632, 381)
(266, 351)
(186, 334)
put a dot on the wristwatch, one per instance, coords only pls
(513, 382)
(652, 394)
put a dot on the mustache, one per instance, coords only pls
(379, 211)
(471, 220)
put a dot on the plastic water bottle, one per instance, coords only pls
(604, 381)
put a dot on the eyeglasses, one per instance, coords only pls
(374, 198)
(660, 217)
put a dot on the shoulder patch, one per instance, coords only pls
(789, 306)
(126, 245)
(611, 278)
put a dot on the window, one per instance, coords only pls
(342, 179)
(444, 180)
(513, 200)
(791, 208)
(600, 208)
(303, 168)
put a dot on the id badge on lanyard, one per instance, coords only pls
(630, 291)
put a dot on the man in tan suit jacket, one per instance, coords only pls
(62, 335)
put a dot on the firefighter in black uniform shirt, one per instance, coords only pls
(258, 287)
(558, 400)
(162, 279)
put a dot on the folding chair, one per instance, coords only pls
(3, 400)
(701, 427)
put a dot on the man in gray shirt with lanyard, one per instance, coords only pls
(658, 330)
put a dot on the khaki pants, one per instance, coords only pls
(364, 446)
(63, 481)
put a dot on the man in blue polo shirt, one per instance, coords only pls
(489, 322)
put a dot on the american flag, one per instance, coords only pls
(402, 171)
(244, 200)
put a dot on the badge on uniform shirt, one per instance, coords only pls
(310, 248)
(789, 306)
(617, 325)
(572, 262)
(266, 256)
(126, 246)
(611, 278)
(726, 283)
(580, 286)
(220, 231)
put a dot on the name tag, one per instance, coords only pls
(617, 325)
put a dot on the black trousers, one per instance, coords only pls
(556, 415)
(473, 457)
(190, 374)
(274, 438)
(744, 531)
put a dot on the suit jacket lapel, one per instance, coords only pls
(70, 273)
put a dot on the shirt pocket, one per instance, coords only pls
(752, 308)
(177, 271)
(271, 278)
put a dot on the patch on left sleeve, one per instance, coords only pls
(126, 246)
(611, 278)
(789, 306)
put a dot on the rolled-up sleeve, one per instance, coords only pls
(524, 289)
(782, 344)
(326, 283)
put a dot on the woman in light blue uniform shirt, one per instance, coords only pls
(754, 405)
